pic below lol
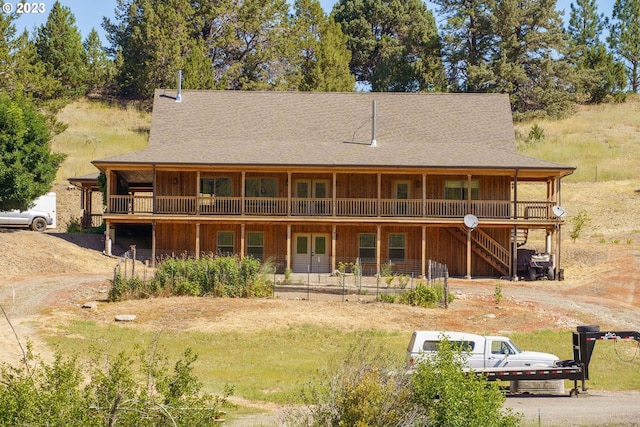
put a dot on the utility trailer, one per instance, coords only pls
(584, 340)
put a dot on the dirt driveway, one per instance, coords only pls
(600, 289)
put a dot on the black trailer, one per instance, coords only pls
(584, 340)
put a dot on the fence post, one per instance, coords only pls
(446, 287)
(133, 263)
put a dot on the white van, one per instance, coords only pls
(483, 351)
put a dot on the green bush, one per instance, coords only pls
(421, 296)
(372, 389)
(362, 391)
(112, 392)
(449, 396)
(223, 276)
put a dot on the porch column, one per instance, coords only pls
(154, 192)
(198, 193)
(333, 248)
(242, 196)
(379, 208)
(153, 243)
(107, 239)
(424, 195)
(198, 240)
(423, 250)
(289, 184)
(514, 237)
(468, 275)
(89, 203)
(469, 194)
(288, 247)
(109, 177)
(242, 226)
(378, 240)
(558, 231)
(334, 208)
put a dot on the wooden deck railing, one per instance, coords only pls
(415, 208)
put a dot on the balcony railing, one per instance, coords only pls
(323, 207)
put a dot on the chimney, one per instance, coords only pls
(373, 130)
(179, 94)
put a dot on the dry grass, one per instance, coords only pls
(602, 141)
(96, 130)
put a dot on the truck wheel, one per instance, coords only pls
(533, 275)
(551, 274)
(39, 224)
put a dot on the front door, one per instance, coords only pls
(311, 189)
(311, 253)
(401, 195)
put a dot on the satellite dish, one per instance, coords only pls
(470, 221)
(559, 211)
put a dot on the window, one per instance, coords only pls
(225, 243)
(367, 248)
(220, 187)
(261, 187)
(255, 245)
(397, 247)
(457, 190)
(301, 245)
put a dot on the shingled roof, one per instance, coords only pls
(332, 129)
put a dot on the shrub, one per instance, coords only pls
(449, 396)
(362, 391)
(422, 296)
(579, 221)
(112, 393)
(222, 276)
(387, 298)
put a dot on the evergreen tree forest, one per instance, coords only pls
(525, 48)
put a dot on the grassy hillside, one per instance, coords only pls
(96, 130)
(602, 141)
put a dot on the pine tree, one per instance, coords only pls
(598, 75)
(151, 40)
(528, 57)
(394, 44)
(322, 51)
(249, 43)
(28, 165)
(467, 41)
(624, 37)
(59, 46)
(97, 64)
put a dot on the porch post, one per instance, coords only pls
(289, 184)
(334, 209)
(154, 193)
(514, 246)
(469, 193)
(198, 190)
(468, 276)
(153, 242)
(558, 234)
(242, 232)
(288, 247)
(423, 261)
(197, 240)
(333, 248)
(378, 240)
(379, 208)
(242, 196)
(424, 195)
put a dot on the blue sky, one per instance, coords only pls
(89, 13)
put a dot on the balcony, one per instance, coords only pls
(325, 207)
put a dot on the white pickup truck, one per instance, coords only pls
(484, 352)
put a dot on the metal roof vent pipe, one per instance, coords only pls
(373, 130)
(179, 94)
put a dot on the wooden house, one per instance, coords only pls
(312, 180)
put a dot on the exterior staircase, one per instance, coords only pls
(488, 248)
